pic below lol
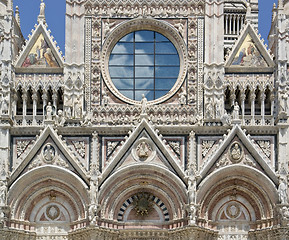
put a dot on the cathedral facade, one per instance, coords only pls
(166, 120)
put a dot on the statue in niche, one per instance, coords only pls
(68, 112)
(182, 98)
(60, 119)
(49, 111)
(284, 213)
(192, 183)
(236, 110)
(283, 103)
(78, 109)
(226, 118)
(209, 110)
(3, 192)
(94, 191)
(143, 103)
(282, 191)
(218, 108)
(105, 99)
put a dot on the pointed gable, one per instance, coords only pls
(48, 149)
(40, 54)
(249, 54)
(237, 148)
(145, 146)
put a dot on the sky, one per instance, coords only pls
(55, 17)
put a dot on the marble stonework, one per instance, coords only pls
(80, 160)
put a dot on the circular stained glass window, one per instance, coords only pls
(144, 62)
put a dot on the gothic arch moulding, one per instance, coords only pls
(234, 194)
(48, 196)
(163, 28)
(126, 194)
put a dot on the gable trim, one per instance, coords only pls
(237, 131)
(48, 132)
(144, 125)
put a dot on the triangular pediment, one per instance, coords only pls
(249, 55)
(48, 149)
(40, 54)
(144, 146)
(237, 149)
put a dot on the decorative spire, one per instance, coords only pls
(17, 16)
(41, 17)
(280, 4)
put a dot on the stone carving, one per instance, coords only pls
(59, 118)
(176, 146)
(236, 111)
(3, 192)
(79, 147)
(284, 211)
(209, 109)
(52, 212)
(105, 99)
(93, 211)
(143, 150)
(282, 190)
(48, 153)
(111, 146)
(182, 98)
(42, 8)
(143, 204)
(224, 161)
(283, 102)
(265, 145)
(233, 210)
(236, 152)
(226, 119)
(207, 146)
(77, 109)
(49, 112)
(180, 27)
(248, 161)
(107, 27)
(88, 118)
(22, 146)
(143, 103)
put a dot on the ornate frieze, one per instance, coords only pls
(80, 148)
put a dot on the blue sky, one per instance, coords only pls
(55, 17)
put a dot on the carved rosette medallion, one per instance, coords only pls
(143, 150)
(52, 212)
(233, 210)
(236, 152)
(48, 153)
(143, 204)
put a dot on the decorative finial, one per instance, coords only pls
(41, 17)
(17, 16)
